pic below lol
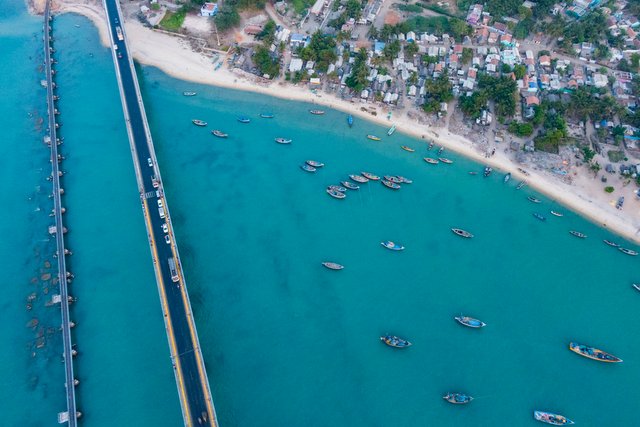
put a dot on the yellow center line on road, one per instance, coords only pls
(165, 310)
(199, 361)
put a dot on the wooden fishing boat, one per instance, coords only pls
(409, 149)
(317, 112)
(199, 122)
(578, 234)
(540, 217)
(267, 115)
(445, 160)
(636, 286)
(219, 134)
(189, 93)
(403, 180)
(470, 322)
(244, 119)
(308, 168)
(333, 265)
(462, 233)
(507, 177)
(628, 251)
(373, 137)
(534, 199)
(392, 178)
(440, 150)
(350, 185)
(396, 342)
(558, 214)
(283, 141)
(610, 243)
(431, 161)
(457, 398)
(430, 146)
(553, 419)
(336, 194)
(392, 245)
(391, 130)
(370, 176)
(359, 178)
(593, 353)
(391, 185)
(337, 188)
(522, 184)
(314, 163)
(487, 171)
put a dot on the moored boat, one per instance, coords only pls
(359, 178)
(391, 130)
(391, 185)
(189, 93)
(462, 233)
(540, 217)
(534, 199)
(267, 115)
(487, 171)
(283, 141)
(430, 160)
(409, 149)
(610, 243)
(373, 137)
(628, 251)
(199, 122)
(472, 173)
(336, 194)
(333, 265)
(244, 119)
(522, 184)
(553, 419)
(337, 188)
(392, 178)
(558, 214)
(507, 177)
(219, 134)
(350, 185)
(457, 398)
(393, 341)
(350, 120)
(404, 180)
(440, 150)
(314, 163)
(371, 176)
(578, 234)
(392, 245)
(316, 112)
(445, 160)
(470, 322)
(430, 145)
(593, 353)
(636, 286)
(308, 168)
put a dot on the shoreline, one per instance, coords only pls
(175, 58)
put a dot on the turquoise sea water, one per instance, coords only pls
(287, 342)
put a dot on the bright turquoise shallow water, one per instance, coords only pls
(287, 342)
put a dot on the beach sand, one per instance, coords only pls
(174, 56)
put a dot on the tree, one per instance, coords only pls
(321, 49)
(521, 129)
(267, 35)
(588, 154)
(353, 9)
(358, 78)
(391, 50)
(411, 49)
(438, 90)
(467, 55)
(227, 17)
(635, 61)
(472, 105)
(519, 70)
(265, 63)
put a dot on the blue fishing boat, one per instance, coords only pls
(393, 341)
(244, 119)
(332, 265)
(350, 185)
(392, 178)
(314, 163)
(392, 245)
(308, 168)
(337, 188)
(540, 217)
(350, 120)
(283, 141)
(470, 321)
(593, 353)
(267, 115)
(390, 184)
(457, 398)
(553, 419)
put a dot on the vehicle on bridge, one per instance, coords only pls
(172, 269)
(119, 33)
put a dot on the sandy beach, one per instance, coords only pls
(175, 57)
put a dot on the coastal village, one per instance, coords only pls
(549, 84)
